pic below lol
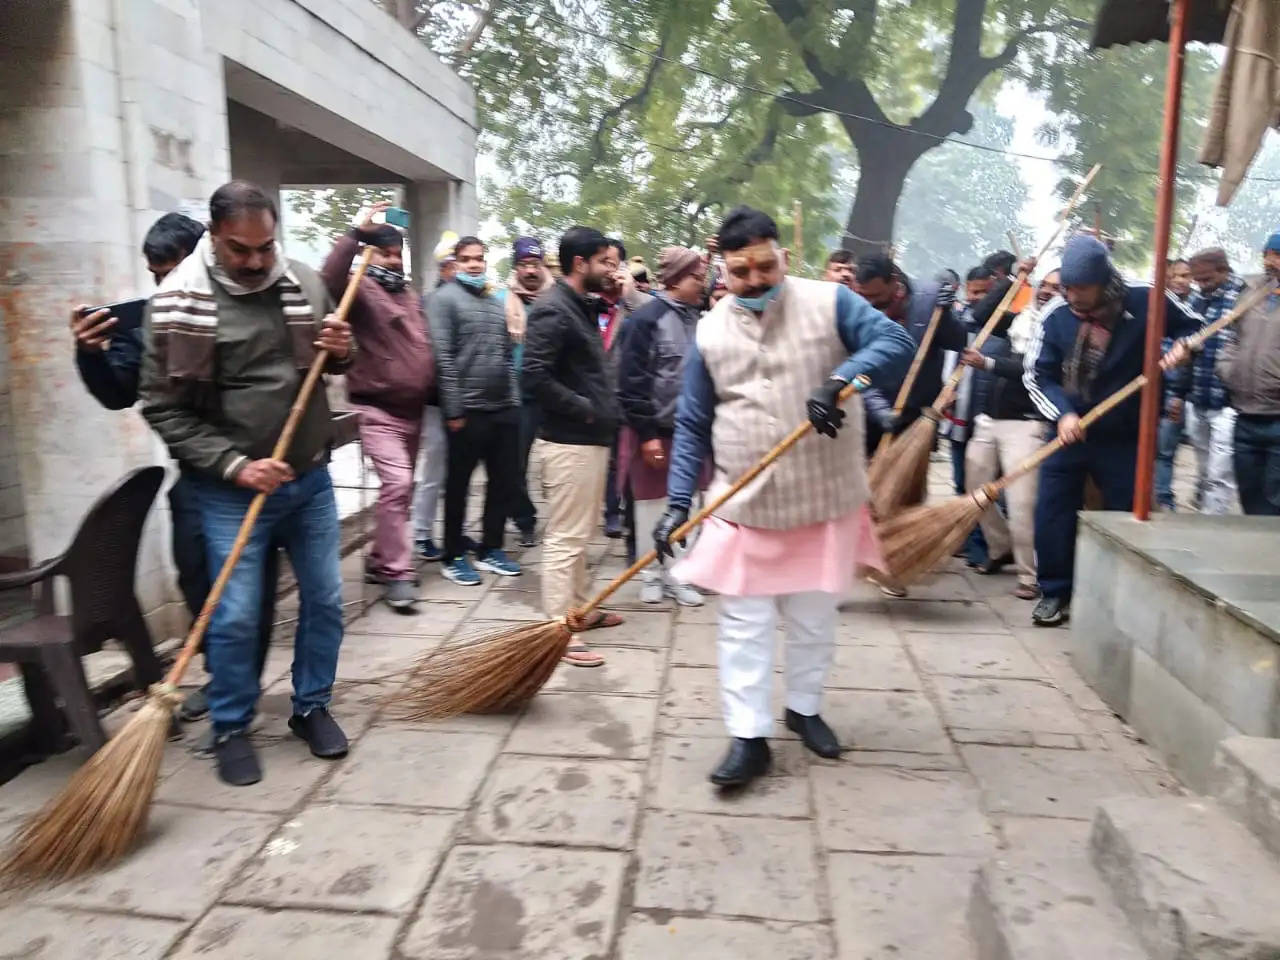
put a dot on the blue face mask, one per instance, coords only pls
(474, 282)
(758, 304)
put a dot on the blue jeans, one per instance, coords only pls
(1167, 441)
(1257, 462)
(302, 516)
(975, 545)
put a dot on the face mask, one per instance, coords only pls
(393, 281)
(474, 282)
(758, 304)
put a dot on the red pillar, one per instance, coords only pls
(1149, 423)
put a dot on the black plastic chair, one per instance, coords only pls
(100, 567)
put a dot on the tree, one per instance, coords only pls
(1110, 110)
(327, 214)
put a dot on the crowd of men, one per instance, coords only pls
(642, 389)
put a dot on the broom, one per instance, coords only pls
(897, 474)
(504, 669)
(103, 808)
(925, 343)
(916, 540)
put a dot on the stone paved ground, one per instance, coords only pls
(584, 827)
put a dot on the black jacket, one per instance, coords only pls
(651, 365)
(475, 369)
(566, 370)
(1003, 394)
(112, 375)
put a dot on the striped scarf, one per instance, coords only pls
(184, 314)
(1092, 340)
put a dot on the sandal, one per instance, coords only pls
(578, 655)
(602, 620)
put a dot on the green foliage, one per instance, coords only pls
(1111, 110)
(327, 214)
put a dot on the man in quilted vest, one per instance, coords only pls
(790, 541)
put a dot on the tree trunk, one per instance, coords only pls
(882, 175)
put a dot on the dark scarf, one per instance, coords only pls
(1093, 339)
(392, 281)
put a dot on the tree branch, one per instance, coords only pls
(636, 99)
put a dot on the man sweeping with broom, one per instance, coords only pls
(789, 542)
(1087, 348)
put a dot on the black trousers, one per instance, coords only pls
(494, 440)
(522, 510)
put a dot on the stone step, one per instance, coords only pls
(1194, 883)
(1030, 907)
(1247, 783)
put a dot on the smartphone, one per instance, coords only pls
(397, 217)
(128, 314)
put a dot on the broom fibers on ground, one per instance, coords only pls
(99, 814)
(501, 670)
(916, 540)
(898, 474)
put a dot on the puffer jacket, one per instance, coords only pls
(475, 365)
(651, 365)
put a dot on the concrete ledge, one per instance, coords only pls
(1247, 783)
(1178, 631)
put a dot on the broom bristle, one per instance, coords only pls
(897, 474)
(916, 540)
(100, 812)
(483, 675)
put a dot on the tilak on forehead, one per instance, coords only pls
(757, 255)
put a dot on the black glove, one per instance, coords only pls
(824, 408)
(672, 520)
(946, 296)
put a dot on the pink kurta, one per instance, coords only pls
(742, 561)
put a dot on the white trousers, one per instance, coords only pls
(1213, 434)
(998, 446)
(433, 457)
(748, 635)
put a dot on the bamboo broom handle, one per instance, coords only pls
(948, 392)
(916, 363)
(197, 632)
(795, 436)
(1193, 342)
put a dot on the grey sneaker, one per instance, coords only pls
(683, 594)
(401, 595)
(651, 591)
(195, 706)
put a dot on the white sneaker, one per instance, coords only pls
(684, 594)
(651, 591)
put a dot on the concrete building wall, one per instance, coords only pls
(113, 112)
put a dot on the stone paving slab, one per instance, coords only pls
(410, 766)
(590, 803)
(887, 810)
(625, 670)
(997, 704)
(875, 720)
(184, 860)
(585, 725)
(980, 655)
(884, 667)
(1047, 783)
(696, 862)
(45, 933)
(684, 762)
(526, 902)
(346, 858)
(239, 933)
(290, 772)
(646, 937)
(893, 908)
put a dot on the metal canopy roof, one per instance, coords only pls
(1141, 21)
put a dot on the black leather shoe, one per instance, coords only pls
(237, 760)
(814, 734)
(322, 733)
(746, 760)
